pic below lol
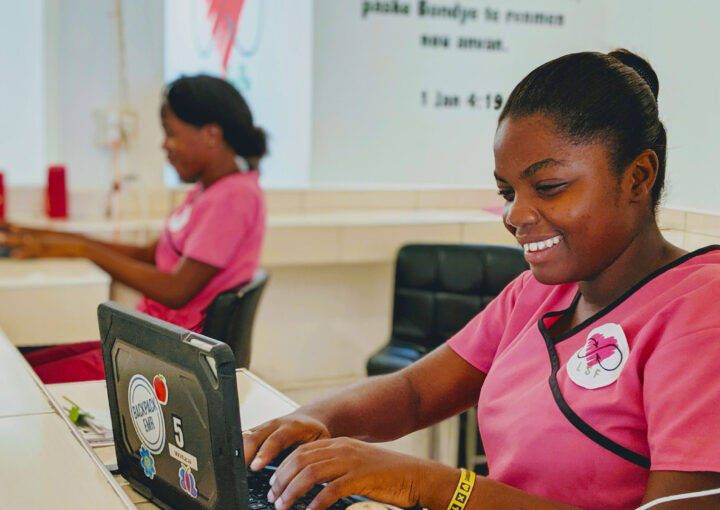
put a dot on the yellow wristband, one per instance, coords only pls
(463, 490)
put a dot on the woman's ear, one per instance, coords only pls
(213, 134)
(641, 174)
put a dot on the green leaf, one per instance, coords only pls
(74, 413)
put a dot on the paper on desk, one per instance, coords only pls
(99, 432)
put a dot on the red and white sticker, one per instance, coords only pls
(161, 389)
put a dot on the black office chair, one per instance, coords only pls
(231, 315)
(438, 289)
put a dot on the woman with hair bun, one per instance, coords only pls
(594, 373)
(210, 243)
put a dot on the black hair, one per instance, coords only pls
(596, 96)
(202, 99)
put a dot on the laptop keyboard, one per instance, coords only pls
(259, 486)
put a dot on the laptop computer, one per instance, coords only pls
(176, 418)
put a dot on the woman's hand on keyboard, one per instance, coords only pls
(266, 441)
(349, 466)
(30, 243)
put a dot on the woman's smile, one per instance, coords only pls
(542, 245)
(540, 250)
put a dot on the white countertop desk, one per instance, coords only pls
(327, 236)
(20, 392)
(44, 463)
(259, 402)
(51, 301)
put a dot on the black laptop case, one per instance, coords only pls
(175, 413)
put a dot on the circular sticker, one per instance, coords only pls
(600, 360)
(179, 219)
(146, 413)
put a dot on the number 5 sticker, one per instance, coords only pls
(177, 427)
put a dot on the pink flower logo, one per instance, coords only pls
(602, 351)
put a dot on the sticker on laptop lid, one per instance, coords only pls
(146, 413)
(147, 462)
(600, 360)
(187, 481)
(182, 456)
(161, 389)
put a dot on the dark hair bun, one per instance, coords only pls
(258, 142)
(640, 66)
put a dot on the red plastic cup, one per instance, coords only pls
(2, 197)
(56, 203)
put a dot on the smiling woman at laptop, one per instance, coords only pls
(595, 374)
(210, 243)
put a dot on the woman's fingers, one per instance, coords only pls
(333, 491)
(10, 239)
(276, 442)
(267, 441)
(21, 246)
(252, 439)
(21, 253)
(301, 482)
(312, 464)
(303, 458)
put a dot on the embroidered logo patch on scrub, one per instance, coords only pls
(599, 362)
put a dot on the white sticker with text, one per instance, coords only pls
(146, 413)
(183, 456)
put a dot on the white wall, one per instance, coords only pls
(680, 40)
(370, 125)
(339, 93)
(83, 75)
(271, 64)
(22, 93)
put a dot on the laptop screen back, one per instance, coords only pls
(174, 407)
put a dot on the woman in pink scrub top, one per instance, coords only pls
(595, 373)
(210, 243)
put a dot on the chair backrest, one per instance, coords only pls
(440, 287)
(231, 315)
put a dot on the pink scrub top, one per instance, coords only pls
(643, 372)
(222, 226)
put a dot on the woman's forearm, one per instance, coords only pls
(382, 408)
(142, 253)
(437, 484)
(141, 276)
(491, 495)
(376, 409)
(67, 242)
